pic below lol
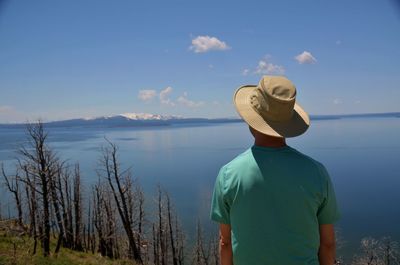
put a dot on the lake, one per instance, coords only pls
(362, 156)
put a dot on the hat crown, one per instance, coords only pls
(275, 98)
(278, 87)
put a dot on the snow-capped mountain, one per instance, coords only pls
(130, 120)
(139, 117)
(148, 116)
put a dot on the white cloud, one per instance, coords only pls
(246, 71)
(164, 96)
(265, 67)
(337, 101)
(305, 58)
(202, 44)
(147, 94)
(166, 99)
(189, 103)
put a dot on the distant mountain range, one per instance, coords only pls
(146, 119)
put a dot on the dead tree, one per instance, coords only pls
(88, 230)
(30, 191)
(104, 221)
(110, 228)
(180, 238)
(167, 235)
(91, 233)
(63, 187)
(57, 206)
(201, 250)
(155, 245)
(98, 218)
(119, 184)
(214, 248)
(136, 202)
(40, 162)
(172, 237)
(389, 251)
(69, 227)
(12, 184)
(161, 229)
(77, 201)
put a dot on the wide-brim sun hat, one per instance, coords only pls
(270, 107)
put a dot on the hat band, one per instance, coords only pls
(270, 108)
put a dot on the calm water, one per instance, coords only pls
(362, 156)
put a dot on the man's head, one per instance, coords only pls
(270, 107)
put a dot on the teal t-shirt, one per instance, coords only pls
(274, 199)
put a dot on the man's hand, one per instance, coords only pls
(225, 245)
(327, 246)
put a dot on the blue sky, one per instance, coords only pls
(68, 59)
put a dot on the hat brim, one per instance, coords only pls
(296, 126)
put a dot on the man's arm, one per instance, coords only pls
(225, 244)
(327, 246)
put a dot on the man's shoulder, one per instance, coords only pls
(306, 158)
(310, 164)
(239, 160)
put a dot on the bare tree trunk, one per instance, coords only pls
(155, 246)
(87, 234)
(56, 200)
(69, 219)
(46, 214)
(110, 228)
(180, 243)
(215, 249)
(171, 234)
(140, 198)
(119, 184)
(12, 183)
(97, 218)
(77, 209)
(161, 228)
(104, 221)
(31, 194)
(201, 254)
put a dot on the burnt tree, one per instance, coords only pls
(40, 163)
(56, 206)
(120, 184)
(77, 201)
(12, 184)
(32, 205)
(104, 221)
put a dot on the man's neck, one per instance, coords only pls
(273, 142)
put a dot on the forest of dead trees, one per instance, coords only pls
(112, 219)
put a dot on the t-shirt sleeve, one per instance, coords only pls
(328, 212)
(219, 207)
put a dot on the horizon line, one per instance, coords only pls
(176, 117)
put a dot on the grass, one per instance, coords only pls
(17, 251)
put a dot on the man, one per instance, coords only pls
(274, 204)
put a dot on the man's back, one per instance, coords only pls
(274, 200)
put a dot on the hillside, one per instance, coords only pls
(16, 250)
